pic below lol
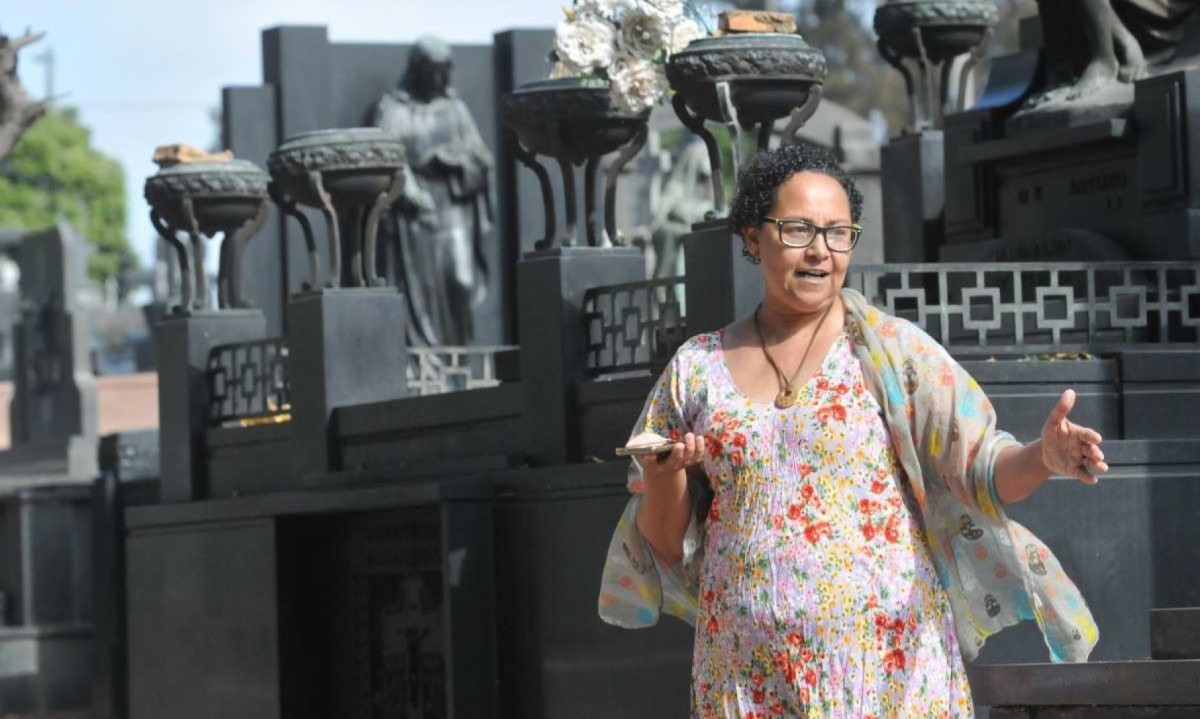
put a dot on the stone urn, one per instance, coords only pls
(940, 29)
(742, 81)
(351, 176)
(200, 199)
(574, 122)
(922, 39)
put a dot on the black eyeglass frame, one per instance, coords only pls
(817, 230)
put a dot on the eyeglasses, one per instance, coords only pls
(801, 233)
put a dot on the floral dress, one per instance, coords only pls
(818, 597)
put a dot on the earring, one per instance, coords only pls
(751, 257)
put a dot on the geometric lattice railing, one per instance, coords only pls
(248, 381)
(439, 370)
(1030, 308)
(633, 326)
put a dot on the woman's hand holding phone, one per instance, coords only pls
(670, 456)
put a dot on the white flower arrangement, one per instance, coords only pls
(627, 43)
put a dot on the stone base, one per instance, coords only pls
(1067, 107)
(1062, 245)
(345, 347)
(182, 344)
(550, 300)
(1099, 177)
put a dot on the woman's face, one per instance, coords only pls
(802, 280)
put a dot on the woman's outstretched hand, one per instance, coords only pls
(1069, 449)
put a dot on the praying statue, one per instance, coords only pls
(440, 222)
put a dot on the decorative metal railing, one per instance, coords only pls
(996, 309)
(248, 382)
(633, 326)
(439, 370)
(1025, 308)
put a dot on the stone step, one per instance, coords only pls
(1146, 683)
(1175, 633)
(1094, 713)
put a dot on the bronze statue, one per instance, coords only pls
(445, 213)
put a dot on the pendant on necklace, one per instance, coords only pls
(786, 398)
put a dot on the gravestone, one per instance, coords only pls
(54, 399)
(1105, 183)
(45, 498)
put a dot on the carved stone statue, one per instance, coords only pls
(445, 213)
(1099, 47)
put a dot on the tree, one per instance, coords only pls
(54, 173)
(17, 111)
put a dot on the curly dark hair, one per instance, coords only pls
(759, 182)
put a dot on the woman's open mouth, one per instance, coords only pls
(811, 274)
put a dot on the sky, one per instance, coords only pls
(149, 72)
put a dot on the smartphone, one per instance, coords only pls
(648, 449)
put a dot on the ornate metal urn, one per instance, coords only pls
(742, 81)
(351, 176)
(922, 39)
(202, 199)
(573, 121)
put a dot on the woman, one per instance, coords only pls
(856, 548)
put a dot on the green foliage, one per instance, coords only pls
(54, 173)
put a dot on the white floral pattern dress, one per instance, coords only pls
(817, 597)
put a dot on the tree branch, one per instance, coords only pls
(28, 38)
(17, 111)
